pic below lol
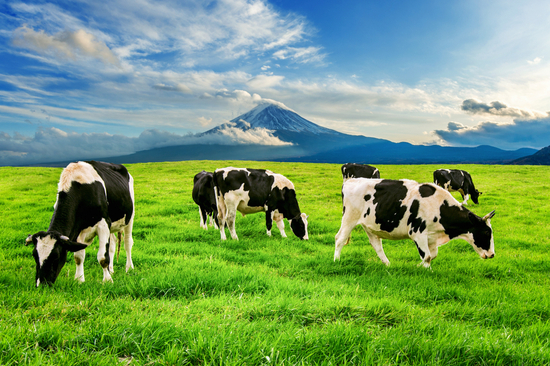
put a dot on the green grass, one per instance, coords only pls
(193, 299)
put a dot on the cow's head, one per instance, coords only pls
(298, 225)
(482, 235)
(475, 196)
(50, 254)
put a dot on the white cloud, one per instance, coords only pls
(64, 45)
(301, 54)
(536, 61)
(261, 82)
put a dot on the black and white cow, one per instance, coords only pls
(257, 190)
(455, 180)
(203, 195)
(352, 170)
(93, 198)
(400, 209)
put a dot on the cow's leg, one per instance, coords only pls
(269, 221)
(79, 260)
(231, 216)
(466, 198)
(222, 213)
(376, 243)
(215, 219)
(432, 245)
(280, 224)
(421, 242)
(342, 237)
(112, 250)
(103, 234)
(128, 244)
(203, 218)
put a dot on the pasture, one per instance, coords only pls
(193, 299)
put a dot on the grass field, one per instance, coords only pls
(193, 299)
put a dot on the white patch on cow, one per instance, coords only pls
(44, 247)
(280, 181)
(80, 172)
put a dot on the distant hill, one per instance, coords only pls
(541, 157)
(312, 143)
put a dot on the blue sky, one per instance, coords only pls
(80, 80)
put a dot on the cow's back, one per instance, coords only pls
(256, 182)
(119, 186)
(388, 206)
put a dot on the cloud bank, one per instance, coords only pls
(53, 144)
(497, 108)
(528, 129)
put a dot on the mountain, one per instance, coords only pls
(276, 117)
(541, 157)
(304, 141)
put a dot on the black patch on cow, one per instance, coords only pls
(203, 195)
(367, 213)
(298, 227)
(457, 220)
(343, 210)
(420, 251)
(416, 223)
(388, 196)
(435, 219)
(426, 190)
(454, 219)
(367, 197)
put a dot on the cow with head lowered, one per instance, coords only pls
(455, 180)
(257, 190)
(401, 209)
(352, 170)
(203, 195)
(93, 199)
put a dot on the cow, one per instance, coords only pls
(203, 195)
(352, 170)
(401, 209)
(93, 199)
(455, 180)
(257, 190)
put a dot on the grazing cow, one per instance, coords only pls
(400, 209)
(203, 195)
(455, 180)
(257, 190)
(352, 170)
(93, 198)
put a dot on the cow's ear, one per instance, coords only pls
(28, 240)
(71, 246)
(489, 216)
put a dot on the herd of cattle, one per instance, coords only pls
(97, 199)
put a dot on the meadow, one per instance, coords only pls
(193, 299)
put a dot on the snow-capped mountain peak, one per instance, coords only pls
(276, 116)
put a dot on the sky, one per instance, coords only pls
(80, 79)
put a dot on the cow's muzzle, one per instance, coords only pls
(487, 255)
